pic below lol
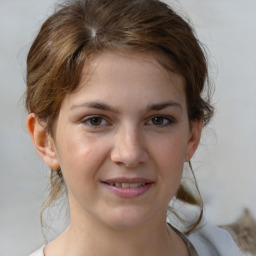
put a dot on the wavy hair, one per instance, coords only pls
(79, 30)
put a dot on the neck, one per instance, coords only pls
(87, 235)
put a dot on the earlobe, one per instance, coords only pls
(194, 139)
(43, 141)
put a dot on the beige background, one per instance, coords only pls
(226, 162)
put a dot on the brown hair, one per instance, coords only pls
(81, 29)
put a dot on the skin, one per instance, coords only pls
(127, 119)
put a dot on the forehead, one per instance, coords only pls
(136, 65)
(130, 75)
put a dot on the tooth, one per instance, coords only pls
(134, 185)
(127, 185)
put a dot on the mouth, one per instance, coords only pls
(127, 185)
(128, 188)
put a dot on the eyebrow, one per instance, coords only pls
(106, 107)
(160, 106)
(94, 105)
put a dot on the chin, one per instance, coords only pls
(128, 218)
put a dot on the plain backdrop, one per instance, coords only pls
(226, 161)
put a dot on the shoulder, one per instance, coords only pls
(39, 252)
(214, 241)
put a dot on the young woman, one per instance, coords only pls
(114, 95)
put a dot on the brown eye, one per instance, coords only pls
(161, 121)
(158, 120)
(95, 121)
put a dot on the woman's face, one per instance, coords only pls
(122, 138)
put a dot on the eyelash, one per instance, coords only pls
(165, 121)
(88, 120)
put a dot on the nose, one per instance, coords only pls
(128, 149)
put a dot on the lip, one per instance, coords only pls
(128, 180)
(131, 192)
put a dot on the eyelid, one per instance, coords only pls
(106, 122)
(170, 120)
(86, 119)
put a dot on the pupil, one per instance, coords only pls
(95, 121)
(158, 120)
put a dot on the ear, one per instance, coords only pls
(43, 141)
(194, 139)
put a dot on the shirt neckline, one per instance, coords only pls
(191, 249)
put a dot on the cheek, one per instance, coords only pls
(80, 156)
(170, 150)
(169, 156)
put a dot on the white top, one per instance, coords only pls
(208, 241)
(211, 240)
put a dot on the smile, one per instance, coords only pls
(128, 188)
(127, 185)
